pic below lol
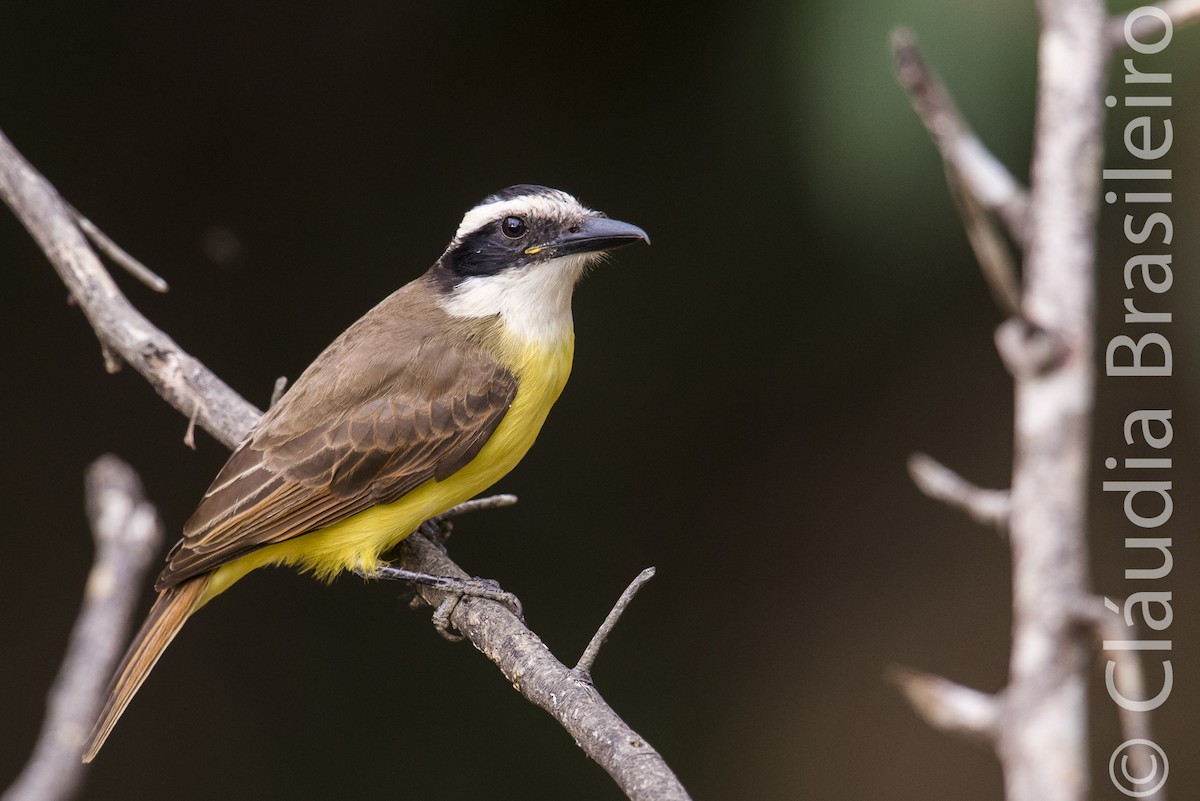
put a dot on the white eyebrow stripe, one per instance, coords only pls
(539, 205)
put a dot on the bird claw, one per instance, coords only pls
(456, 589)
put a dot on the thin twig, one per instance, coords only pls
(112, 362)
(189, 436)
(118, 254)
(498, 501)
(948, 706)
(978, 182)
(982, 174)
(1147, 27)
(588, 658)
(1041, 735)
(179, 378)
(127, 534)
(991, 251)
(525, 661)
(278, 390)
(988, 506)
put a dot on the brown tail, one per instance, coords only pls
(172, 609)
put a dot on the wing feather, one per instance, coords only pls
(331, 449)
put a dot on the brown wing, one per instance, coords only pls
(374, 417)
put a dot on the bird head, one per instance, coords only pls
(519, 254)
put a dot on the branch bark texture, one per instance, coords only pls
(1043, 745)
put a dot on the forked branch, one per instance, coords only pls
(1041, 737)
(979, 183)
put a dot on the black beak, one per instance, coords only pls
(593, 234)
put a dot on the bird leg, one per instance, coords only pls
(455, 588)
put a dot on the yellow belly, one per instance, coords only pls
(358, 541)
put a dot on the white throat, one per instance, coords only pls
(534, 301)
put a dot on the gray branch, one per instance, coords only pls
(979, 183)
(127, 534)
(1043, 746)
(536, 674)
(586, 660)
(119, 255)
(1041, 737)
(987, 506)
(198, 394)
(948, 706)
(1147, 28)
(123, 332)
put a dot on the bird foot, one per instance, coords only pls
(455, 588)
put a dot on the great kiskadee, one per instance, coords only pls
(427, 400)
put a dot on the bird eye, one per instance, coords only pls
(513, 227)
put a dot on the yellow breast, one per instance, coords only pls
(358, 541)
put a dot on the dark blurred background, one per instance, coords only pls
(745, 395)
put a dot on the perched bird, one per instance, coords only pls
(427, 400)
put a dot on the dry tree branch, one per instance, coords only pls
(584, 666)
(1180, 12)
(197, 393)
(1043, 746)
(948, 706)
(1041, 737)
(983, 176)
(179, 378)
(127, 533)
(478, 504)
(119, 255)
(978, 181)
(569, 696)
(988, 506)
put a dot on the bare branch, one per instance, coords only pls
(534, 672)
(179, 378)
(191, 388)
(978, 181)
(991, 251)
(948, 706)
(983, 176)
(127, 533)
(1147, 27)
(478, 504)
(987, 506)
(1043, 746)
(189, 435)
(1041, 737)
(118, 254)
(584, 666)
